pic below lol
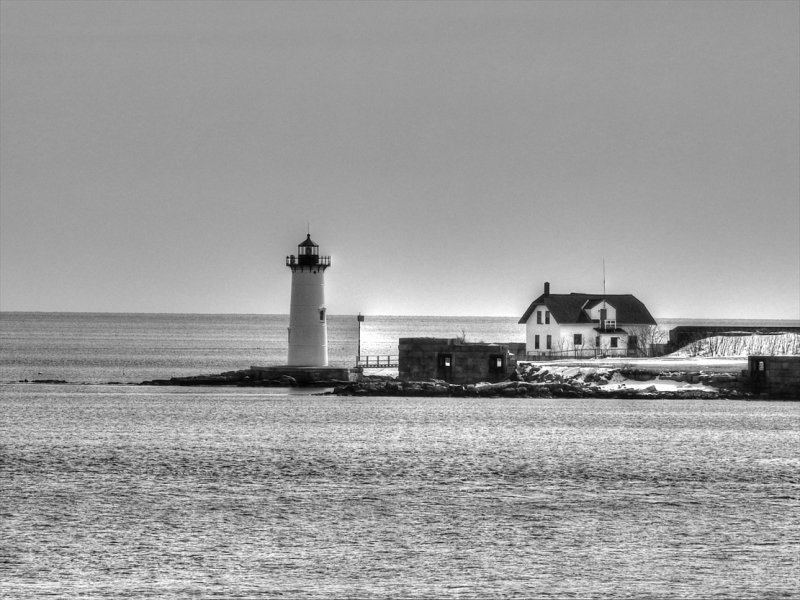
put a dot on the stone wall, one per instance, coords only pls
(775, 376)
(422, 359)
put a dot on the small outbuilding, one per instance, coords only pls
(454, 361)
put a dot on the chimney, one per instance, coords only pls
(546, 288)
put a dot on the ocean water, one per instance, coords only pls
(118, 491)
(129, 492)
(129, 348)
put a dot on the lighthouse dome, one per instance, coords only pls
(308, 243)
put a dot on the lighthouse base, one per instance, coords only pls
(304, 375)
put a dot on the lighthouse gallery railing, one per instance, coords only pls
(293, 260)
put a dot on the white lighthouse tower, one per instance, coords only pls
(308, 323)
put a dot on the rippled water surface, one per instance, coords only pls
(130, 492)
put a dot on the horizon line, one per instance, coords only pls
(102, 312)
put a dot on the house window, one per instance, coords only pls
(577, 340)
(322, 315)
(633, 341)
(538, 317)
(547, 317)
(614, 342)
(536, 342)
(549, 342)
(597, 341)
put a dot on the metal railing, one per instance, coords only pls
(306, 260)
(633, 352)
(377, 362)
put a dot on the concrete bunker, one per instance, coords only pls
(776, 376)
(453, 361)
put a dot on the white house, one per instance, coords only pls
(586, 324)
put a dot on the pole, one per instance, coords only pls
(603, 310)
(360, 319)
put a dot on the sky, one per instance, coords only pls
(450, 157)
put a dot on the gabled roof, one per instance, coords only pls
(592, 302)
(568, 308)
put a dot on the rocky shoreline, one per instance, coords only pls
(534, 381)
(522, 389)
(244, 378)
(528, 380)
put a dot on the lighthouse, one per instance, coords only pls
(308, 323)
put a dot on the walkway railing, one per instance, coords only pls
(377, 362)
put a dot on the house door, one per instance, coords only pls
(444, 367)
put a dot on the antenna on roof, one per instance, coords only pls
(604, 283)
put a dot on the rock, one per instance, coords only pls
(484, 389)
(499, 387)
(289, 381)
(617, 377)
(393, 388)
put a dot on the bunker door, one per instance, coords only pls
(758, 374)
(444, 367)
(497, 366)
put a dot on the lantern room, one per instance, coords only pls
(308, 256)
